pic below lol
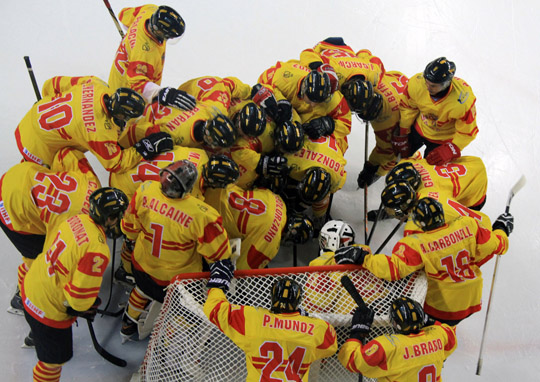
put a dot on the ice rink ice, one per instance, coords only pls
(493, 43)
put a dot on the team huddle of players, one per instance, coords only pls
(215, 159)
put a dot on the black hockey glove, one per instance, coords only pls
(272, 166)
(87, 314)
(368, 175)
(350, 255)
(176, 98)
(504, 222)
(154, 144)
(284, 112)
(265, 98)
(361, 323)
(221, 273)
(319, 127)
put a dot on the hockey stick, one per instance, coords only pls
(112, 277)
(111, 12)
(101, 351)
(391, 234)
(518, 186)
(379, 213)
(32, 77)
(353, 292)
(110, 314)
(366, 187)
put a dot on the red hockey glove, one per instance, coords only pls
(400, 144)
(265, 99)
(443, 154)
(334, 80)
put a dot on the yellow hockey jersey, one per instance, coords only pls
(464, 179)
(247, 152)
(451, 256)
(76, 118)
(345, 61)
(178, 123)
(34, 199)
(399, 357)
(390, 87)
(128, 181)
(172, 235)
(278, 347)
(216, 91)
(449, 119)
(285, 80)
(452, 210)
(257, 216)
(140, 57)
(70, 269)
(323, 152)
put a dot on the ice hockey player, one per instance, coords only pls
(309, 93)
(64, 281)
(258, 216)
(35, 200)
(438, 111)
(418, 348)
(382, 111)
(88, 117)
(451, 254)
(281, 331)
(138, 63)
(184, 230)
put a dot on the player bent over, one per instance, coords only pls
(64, 281)
(416, 352)
(253, 329)
(172, 232)
(451, 253)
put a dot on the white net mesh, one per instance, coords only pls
(185, 346)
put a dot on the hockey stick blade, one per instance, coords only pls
(518, 186)
(349, 287)
(101, 351)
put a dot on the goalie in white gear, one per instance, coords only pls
(334, 235)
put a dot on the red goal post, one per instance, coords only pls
(185, 346)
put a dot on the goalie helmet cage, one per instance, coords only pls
(185, 346)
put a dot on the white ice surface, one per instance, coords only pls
(493, 43)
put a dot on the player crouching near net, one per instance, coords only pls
(173, 231)
(252, 329)
(64, 280)
(450, 253)
(415, 352)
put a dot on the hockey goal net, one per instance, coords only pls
(185, 346)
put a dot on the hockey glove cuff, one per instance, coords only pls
(154, 144)
(265, 98)
(87, 314)
(504, 222)
(361, 323)
(221, 273)
(368, 175)
(319, 127)
(176, 98)
(350, 255)
(443, 154)
(400, 144)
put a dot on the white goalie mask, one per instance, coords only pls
(334, 235)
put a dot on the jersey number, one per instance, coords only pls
(458, 268)
(50, 196)
(156, 239)
(55, 114)
(427, 374)
(251, 206)
(292, 365)
(51, 256)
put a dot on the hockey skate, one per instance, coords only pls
(129, 328)
(121, 276)
(16, 305)
(29, 341)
